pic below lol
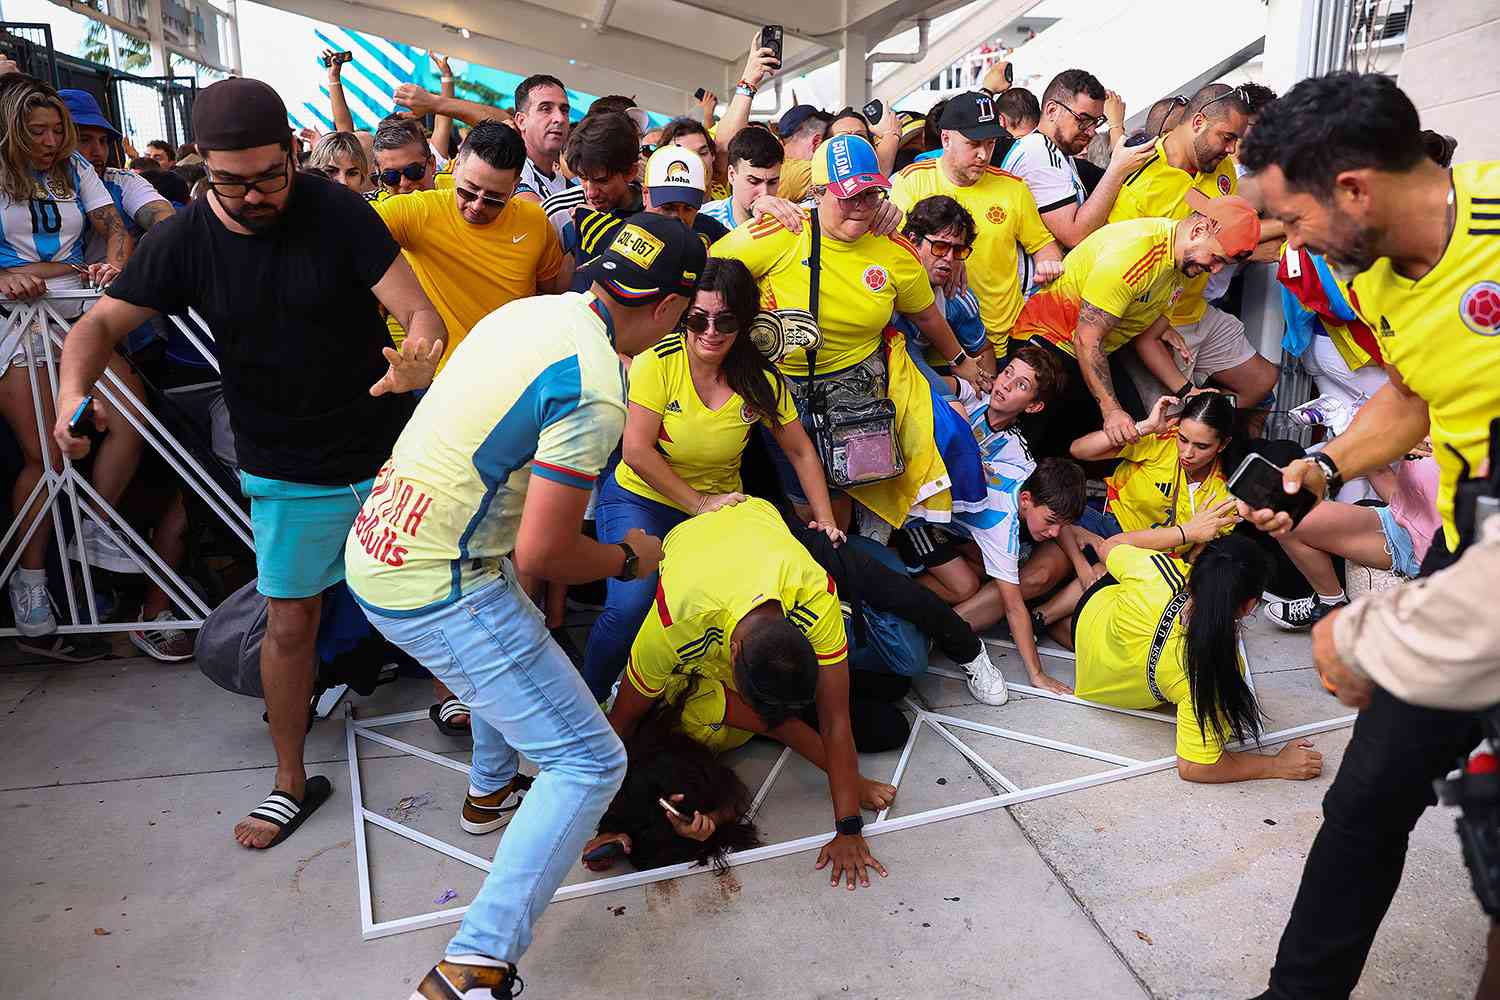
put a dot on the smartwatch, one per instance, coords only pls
(958, 358)
(1333, 480)
(632, 564)
(850, 826)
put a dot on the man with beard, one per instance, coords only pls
(1072, 112)
(1198, 154)
(1340, 161)
(287, 269)
(1002, 207)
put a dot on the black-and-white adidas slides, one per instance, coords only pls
(286, 813)
(443, 715)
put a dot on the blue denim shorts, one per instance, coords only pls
(300, 530)
(1398, 544)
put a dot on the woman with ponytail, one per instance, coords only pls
(1172, 474)
(1150, 632)
(694, 398)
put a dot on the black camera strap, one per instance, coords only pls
(815, 269)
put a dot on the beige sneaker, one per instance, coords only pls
(451, 979)
(488, 813)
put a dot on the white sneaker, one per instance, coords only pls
(32, 607)
(102, 551)
(986, 683)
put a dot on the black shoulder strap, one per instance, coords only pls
(815, 268)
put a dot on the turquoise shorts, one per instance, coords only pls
(300, 530)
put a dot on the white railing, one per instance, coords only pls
(84, 502)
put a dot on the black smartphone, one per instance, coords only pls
(1138, 138)
(698, 94)
(1010, 73)
(337, 57)
(874, 111)
(1258, 483)
(606, 852)
(82, 420)
(770, 38)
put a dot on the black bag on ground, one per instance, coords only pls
(228, 648)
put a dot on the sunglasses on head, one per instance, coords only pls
(698, 321)
(412, 172)
(942, 248)
(1238, 93)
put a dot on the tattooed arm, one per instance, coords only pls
(153, 212)
(1094, 325)
(107, 224)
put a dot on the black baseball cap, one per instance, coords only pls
(793, 119)
(973, 114)
(239, 113)
(652, 256)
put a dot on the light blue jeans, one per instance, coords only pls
(493, 651)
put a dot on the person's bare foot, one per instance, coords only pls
(257, 834)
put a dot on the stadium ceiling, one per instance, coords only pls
(660, 51)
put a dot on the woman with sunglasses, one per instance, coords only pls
(863, 280)
(694, 399)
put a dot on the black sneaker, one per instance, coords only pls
(1301, 614)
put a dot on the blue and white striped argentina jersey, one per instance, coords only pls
(994, 523)
(49, 226)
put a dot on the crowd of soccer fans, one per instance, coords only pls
(812, 397)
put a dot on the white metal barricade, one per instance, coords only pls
(42, 330)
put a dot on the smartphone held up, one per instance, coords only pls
(1259, 484)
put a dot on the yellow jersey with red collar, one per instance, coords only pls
(715, 569)
(1005, 215)
(861, 284)
(1124, 268)
(1148, 489)
(1442, 331)
(1158, 189)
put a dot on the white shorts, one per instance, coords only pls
(1215, 343)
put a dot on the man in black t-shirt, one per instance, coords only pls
(288, 270)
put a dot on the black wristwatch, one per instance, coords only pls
(850, 826)
(632, 564)
(1333, 480)
(1187, 387)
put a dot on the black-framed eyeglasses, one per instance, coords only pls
(1085, 122)
(942, 248)
(268, 183)
(647, 149)
(699, 320)
(412, 172)
(1240, 94)
(466, 196)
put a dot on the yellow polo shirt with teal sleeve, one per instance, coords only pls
(446, 506)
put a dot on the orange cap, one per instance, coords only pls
(1239, 225)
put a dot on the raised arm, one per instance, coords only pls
(343, 118)
(422, 102)
(442, 125)
(1072, 222)
(758, 68)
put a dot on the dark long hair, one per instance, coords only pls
(664, 761)
(1229, 572)
(1216, 412)
(745, 369)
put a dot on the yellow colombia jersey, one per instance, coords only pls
(1148, 489)
(469, 271)
(862, 283)
(1442, 331)
(1005, 214)
(1125, 269)
(1117, 630)
(702, 446)
(717, 567)
(1159, 189)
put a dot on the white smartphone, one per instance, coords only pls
(669, 807)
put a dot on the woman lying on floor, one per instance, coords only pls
(710, 804)
(1150, 632)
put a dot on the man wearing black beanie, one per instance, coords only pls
(288, 269)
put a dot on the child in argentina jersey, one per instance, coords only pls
(50, 225)
(994, 523)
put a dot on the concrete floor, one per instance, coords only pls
(125, 776)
